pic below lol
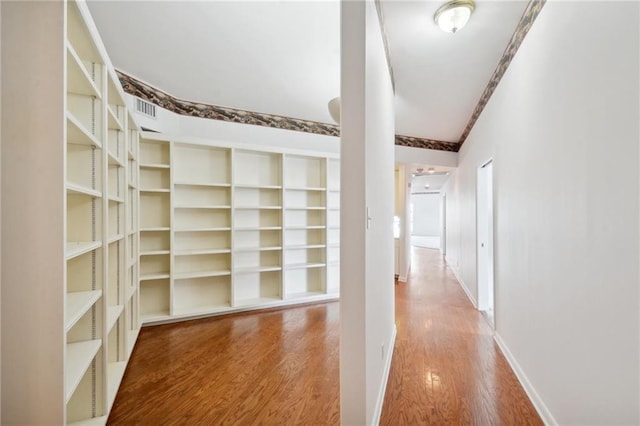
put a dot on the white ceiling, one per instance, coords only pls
(435, 182)
(283, 56)
(440, 76)
(275, 57)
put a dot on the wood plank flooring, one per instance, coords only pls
(281, 367)
(446, 368)
(271, 367)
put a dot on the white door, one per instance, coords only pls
(485, 241)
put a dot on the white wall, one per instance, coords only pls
(562, 128)
(33, 200)
(426, 214)
(367, 298)
(174, 124)
(409, 155)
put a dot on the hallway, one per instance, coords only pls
(281, 367)
(446, 367)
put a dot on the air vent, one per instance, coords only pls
(425, 193)
(145, 108)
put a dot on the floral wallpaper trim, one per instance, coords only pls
(414, 142)
(150, 94)
(526, 21)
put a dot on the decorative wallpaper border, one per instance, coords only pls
(150, 94)
(526, 21)
(414, 142)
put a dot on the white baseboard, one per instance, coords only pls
(537, 402)
(385, 377)
(463, 285)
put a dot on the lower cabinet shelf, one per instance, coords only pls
(77, 304)
(305, 265)
(96, 421)
(199, 310)
(251, 269)
(201, 274)
(260, 301)
(132, 337)
(154, 316)
(115, 372)
(113, 313)
(154, 276)
(76, 248)
(305, 294)
(77, 361)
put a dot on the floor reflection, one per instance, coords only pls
(446, 368)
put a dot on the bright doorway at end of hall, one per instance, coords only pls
(426, 207)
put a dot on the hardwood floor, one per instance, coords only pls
(271, 367)
(446, 368)
(281, 367)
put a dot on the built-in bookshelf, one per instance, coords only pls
(101, 209)
(96, 215)
(333, 226)
(227, 228)
(155, 228)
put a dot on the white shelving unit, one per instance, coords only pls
(333, 226)
(155, 228)
(227, 228)
(90, 140)
(305, 219)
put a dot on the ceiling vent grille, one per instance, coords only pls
(425, 193)
(146, 108)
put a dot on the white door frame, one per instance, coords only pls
(484, 240)
(443, 224)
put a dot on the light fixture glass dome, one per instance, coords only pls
(334, 109)
(454, 15)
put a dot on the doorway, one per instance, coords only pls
(443, 223)
(486, 299)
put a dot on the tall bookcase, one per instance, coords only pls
(83, 298)
(226, 228)
(155, 226)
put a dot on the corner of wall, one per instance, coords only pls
(385, 378)
(466, 290)
(537, 402)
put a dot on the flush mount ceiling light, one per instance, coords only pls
(334, 109)
(454, 15)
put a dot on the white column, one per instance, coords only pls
(367, 205)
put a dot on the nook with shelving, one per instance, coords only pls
(140, 227)
(226, 227)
